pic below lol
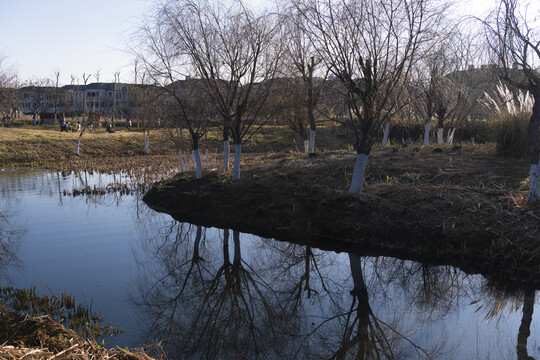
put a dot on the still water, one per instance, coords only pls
(214, 293)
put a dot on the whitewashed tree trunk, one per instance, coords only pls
(181, 161)
(185, 161)
(386, 133)
(215, 158)
(78, 145)
(427, 129)
(197, 163)
(440, 136)
(236, 165)
(451, 136)
(207, 158)
(226, 151)
(311, 148)
(359, 171)
(472, 140)
(534, 183)
(306, 146)
(146, 143)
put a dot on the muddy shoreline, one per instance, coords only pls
(478, 229)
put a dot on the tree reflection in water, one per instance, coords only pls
(525, 327)
(225, 311)
(10, 241)
(236, 298)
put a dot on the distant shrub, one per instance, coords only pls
(482, 130)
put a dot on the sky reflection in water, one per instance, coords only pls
(217, 293)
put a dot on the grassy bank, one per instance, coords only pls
(467, 208)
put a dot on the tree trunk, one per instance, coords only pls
(146, 138)
(226, 152)
(185, 161)
(198, 163)
(311, 148)
(427, 128)
(451, 136)
(534, 152)
(386, 132)
(306, 146)
(472, 140)
(78, 144)
(357, 181)
(181, 161)
(236, 165)
(440, 136)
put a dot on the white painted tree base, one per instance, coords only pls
(198, 163)
(306, 146)
(78, 145)
(451, 136)
(386, 133)
(357, 181)
(226, 153)
(146, 143)
(311, 147)
(181, 161)
(427, 128)
(440, 136)
(472, 140)
(534, 184)
(185, 161)
(236, 165)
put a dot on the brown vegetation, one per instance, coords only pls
(33, 338)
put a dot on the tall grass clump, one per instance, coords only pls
(511, 134)
(511, 112)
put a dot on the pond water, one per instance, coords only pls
(214, 293)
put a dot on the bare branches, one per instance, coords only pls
(232, 50)
(371, 48)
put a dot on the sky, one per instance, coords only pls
(72, 37)
(41, 37)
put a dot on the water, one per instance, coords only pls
(215, 293)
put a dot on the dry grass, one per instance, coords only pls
(32, 338)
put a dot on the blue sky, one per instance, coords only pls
(40, 37)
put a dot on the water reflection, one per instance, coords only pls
(210, 293)
(10, 242)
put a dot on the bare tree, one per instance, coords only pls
(234, 52)
(147, 104)
(302, 62)
(85, 120)
(57, 76)
(8, 91)
(514, 38)
(187, 103)
(370, 46)
(38, 94)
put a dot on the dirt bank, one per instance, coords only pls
(465, 209)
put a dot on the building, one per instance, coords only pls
(106, 98)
